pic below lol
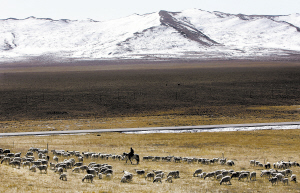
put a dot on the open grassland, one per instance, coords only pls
(96, 95)
(264, 146)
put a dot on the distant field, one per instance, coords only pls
(241, 147)
(173, 94)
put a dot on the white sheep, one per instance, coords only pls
(108, 176)
(149, 176)
(273, 180)
(243, 175)
(59, 170)
(157, 179)
(225, 179)
(88, 177)
(279, 176)
(76, 169)
(169, 179)
(63, 177)
(285, 181)
(209, 175)
(202, 175)
(161, 175)
(198, 171)
(174, 174)
(55, 158)
(140, 172)
(253, 175)
(33, 168)
(42, 167)
(220, 176)
(294, 178)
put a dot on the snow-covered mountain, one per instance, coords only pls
(190, 34)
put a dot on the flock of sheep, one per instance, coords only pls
(278, 172)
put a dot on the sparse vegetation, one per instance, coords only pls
(269, 146)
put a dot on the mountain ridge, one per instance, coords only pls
(189, 34)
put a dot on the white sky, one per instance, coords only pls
(112, 9)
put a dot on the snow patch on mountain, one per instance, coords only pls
(192, 33)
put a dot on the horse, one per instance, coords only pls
(127, 156)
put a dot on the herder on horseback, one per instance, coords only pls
(129, 156)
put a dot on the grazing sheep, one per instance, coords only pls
(252, 162)
(161, 175)
(82, 168)
(26, 163)
(150, 175)
(235, 175)
(209, 175)
(267, 166)
(88, 177)
(226, 173)
(265, 173)
(78, 164)
(288, 172)
(273, 180)
(279, 176)
(225, 179)
(100, 176)
(243, 176)
(18, 154)
(37, 163)
(157, 171)
(92, 171)
(252, 175)
(285, 181)
(55, 158)
(157, 179)
(6, 151)
(124, 180)
(223, 161)
(202, 175)
(140, 172)
(33, 168)
(230, 163)
(5, 160)
(42, 167)
(109, 171)
(59, 170)
(177, 159)
(63, 177)
(108, 176)
(294, 178)
(283, 172)
(127, 177)
(29, 153)
(198, 171)
(15, 163)
(174, 174)
(80, 159)
(77, 170)
(169, 179)
(220, 176)
(52, 166)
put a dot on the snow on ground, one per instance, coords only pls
(219, 129)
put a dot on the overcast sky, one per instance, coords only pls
(101, 10)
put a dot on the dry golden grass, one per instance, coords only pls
(267, 145)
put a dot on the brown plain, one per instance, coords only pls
(92, 95)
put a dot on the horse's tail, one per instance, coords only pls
(137, 158)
